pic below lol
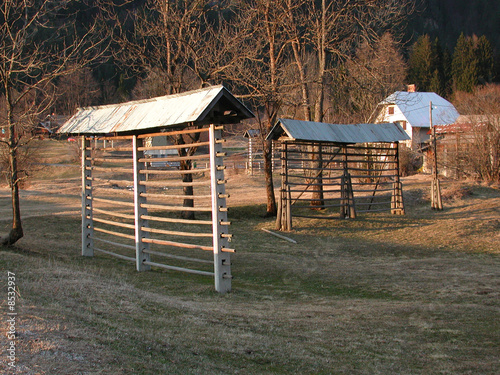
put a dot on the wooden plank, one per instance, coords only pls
(170, 183)
(114, 223)
(111, 169)
(109, 181)
(188, 270)
(176, 220)
(114, 243)
(176, 208)
(113, 213)
(279, 236)
(170, 133)
(176, 233)
(178, 244)
(178, 257)
(174, 158)
(170, 197)
(115, 254)
(174, 147)
(117, 234)
(112, 201)
(174, 171)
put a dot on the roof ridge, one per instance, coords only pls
(154, 99)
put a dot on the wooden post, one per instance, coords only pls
(436, 202)
(222, 259)
(250, 154)
(141, 247)
(350, 198)
(288, 210)
(397, 203)
(87, 225)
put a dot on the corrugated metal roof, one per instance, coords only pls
(165, 111)
(338, 133)
(415, 107)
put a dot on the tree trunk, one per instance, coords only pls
(16, 231)
(271, 208)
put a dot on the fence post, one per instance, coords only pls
(140, 245)
(222, 259)
(87, 225)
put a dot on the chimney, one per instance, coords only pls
(412, 88)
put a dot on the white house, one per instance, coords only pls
(411, 110)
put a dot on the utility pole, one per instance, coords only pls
(436, 201)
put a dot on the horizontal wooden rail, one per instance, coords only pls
(174, 158)
(132, 247)
(114, 223)
(176, 220)
(308, 184)
(118, 234)
(371, 203)
(173, 147)
(109, 189)
(163, 134)
(114, 137)
(176, 233)
(112, 213)
(182, 269)
(173, 171)
(109, 149)
(170, 197)
(377, 210)
(178, 257)
(370, 190)
(176, 208)
(177, 244)
(112, 201)
(317, 217)
(111, 169)
(315, 177)
(170, 183)
(115, 254)
(111, 160)
(99, 179)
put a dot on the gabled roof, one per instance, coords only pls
(337, 133)
(415, 107)
(209, 105)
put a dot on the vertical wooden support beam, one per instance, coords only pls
(284, 219)
(140, 245)
(397, 202)
(87, 225)
(222, 260)
(250, 154)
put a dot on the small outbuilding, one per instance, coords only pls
(158, 204)
(333, 167)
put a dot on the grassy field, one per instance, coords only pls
(382, 294)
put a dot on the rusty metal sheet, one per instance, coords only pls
(338, 133)
(165, 111)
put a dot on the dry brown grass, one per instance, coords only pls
(382, 294)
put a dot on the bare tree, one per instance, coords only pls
(36, 47)
(479, 154)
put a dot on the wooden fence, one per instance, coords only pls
(152, 205)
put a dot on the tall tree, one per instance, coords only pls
(38, 43)
(375, 72)
(464, 65)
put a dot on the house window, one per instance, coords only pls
(391, 110)
(403, 124)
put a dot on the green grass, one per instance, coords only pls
(382, 294)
